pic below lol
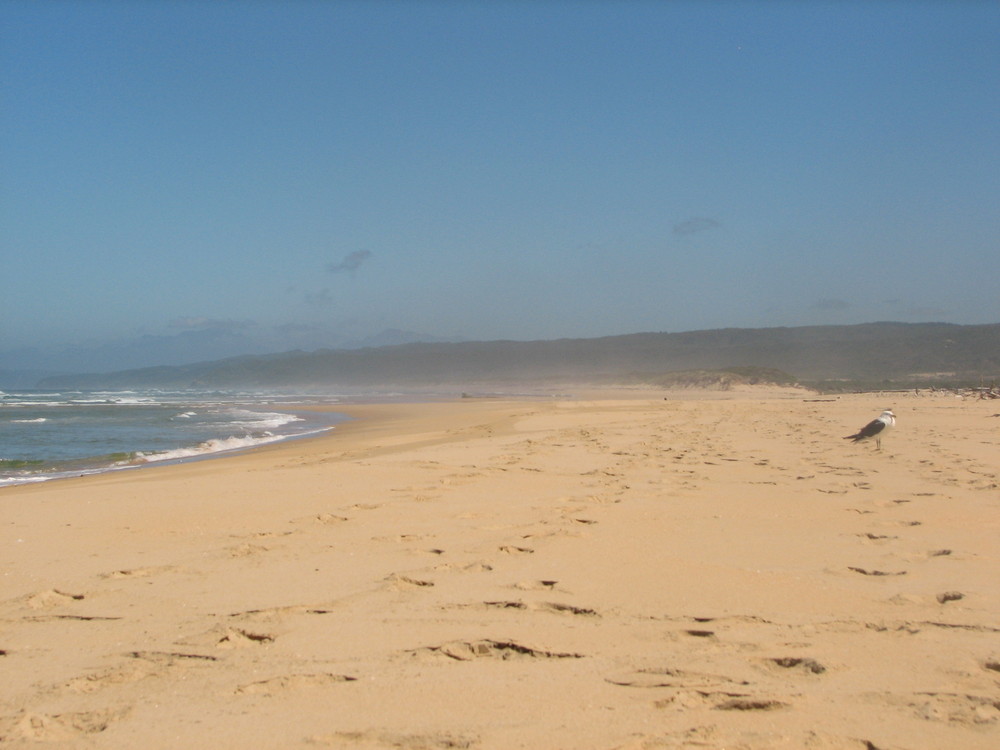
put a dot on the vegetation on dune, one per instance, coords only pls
(723, 379)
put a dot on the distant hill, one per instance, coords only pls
(872, 352)
(22, 378)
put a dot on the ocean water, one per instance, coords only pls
(47, 435)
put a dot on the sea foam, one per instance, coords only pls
(216, 445)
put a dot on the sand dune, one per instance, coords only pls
(624, 571)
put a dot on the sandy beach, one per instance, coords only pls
(632, 569)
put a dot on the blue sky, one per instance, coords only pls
(303, 171)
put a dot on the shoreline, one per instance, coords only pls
(606, 571)
(225, 443)
(572, 392)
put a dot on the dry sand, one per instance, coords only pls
(626, 571)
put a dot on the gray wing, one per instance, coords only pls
(871, 429)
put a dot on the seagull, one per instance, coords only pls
(875, 429)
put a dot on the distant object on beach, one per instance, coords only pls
(875, 429)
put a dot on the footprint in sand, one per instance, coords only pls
(696, 633)
(554, 607)
(669, 677)
(803, 665)
(140, 665)
(128, 673)
(473, 567)
(490, 649)
(604, 499)
(899, 524)
(746, 703)
(570, 532)
(933, 554)
(273, 614)
(877, 538)
(952, 708)
(171, 658)
(139, 572)
(380, 739)
(399, 538)
(876, 573)
(238, 638)
(509, 549)
(399, 582)
(52, 598)
(542, 585)
(458, 480)
(65, 727)
(248, 550)
(949, 596)
(267, 534)
(280, 684)
(714, 736)
(718, 700)
(228, 638)
(565, 609)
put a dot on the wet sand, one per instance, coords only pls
(620, 571)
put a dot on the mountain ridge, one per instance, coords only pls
(867, 351)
